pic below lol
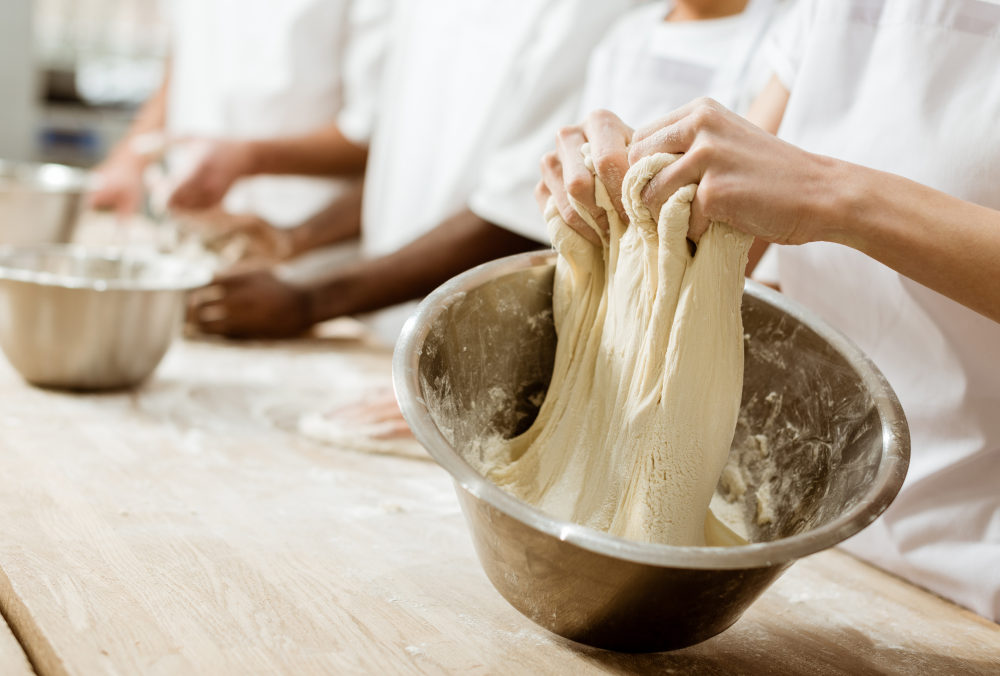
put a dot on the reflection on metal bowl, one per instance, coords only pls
(80, 319)
(472, 361)
(39, 203)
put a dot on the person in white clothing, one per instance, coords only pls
(883, 186)
(256, 89)
(470, 88)
(664, 54)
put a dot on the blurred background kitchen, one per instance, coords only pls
(75, 72)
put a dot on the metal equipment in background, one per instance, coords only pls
(39, 203)
(17, 80)
(96, 62)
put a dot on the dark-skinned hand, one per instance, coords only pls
(251, 304)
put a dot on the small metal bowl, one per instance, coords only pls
(39, 203)
(820, 431)
(80, 319)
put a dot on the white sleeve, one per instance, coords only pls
(547, 96)
(505, 195)
(364, 55)
(787, 42)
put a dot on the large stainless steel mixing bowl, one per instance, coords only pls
(819, 426)
(79, 319)
(39, 203)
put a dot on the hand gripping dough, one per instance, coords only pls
(640, 414)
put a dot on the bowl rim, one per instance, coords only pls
(30, 177)
(193, 275)
(881, 492)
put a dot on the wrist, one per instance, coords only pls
(847, 213)
(829, 199)
(254, 157)
(325, 300)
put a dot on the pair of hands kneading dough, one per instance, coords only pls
(637, 424)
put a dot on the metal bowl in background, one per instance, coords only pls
(39, 203)
(820, 430)
(80, 319)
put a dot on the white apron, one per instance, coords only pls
(243, 69)
(911, 87)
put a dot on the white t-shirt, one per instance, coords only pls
(470, 89)
(647, 67)
(245, 69)
(911, 87)
(369, 23)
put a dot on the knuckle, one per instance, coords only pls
(703, 116)
(707, 103)
(606, 163)
(704, 152)
(566, 132)
(601, 115)
(579, 185)
(571, 217)
(550, 161)
(637, 152)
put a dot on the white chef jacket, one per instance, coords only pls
(472, 92)
(911, 87)
(244, 69)
(647, 67)
(472, 88)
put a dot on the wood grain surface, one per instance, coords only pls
(13, 661)
(186, 528)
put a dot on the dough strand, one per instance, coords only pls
(640, 414)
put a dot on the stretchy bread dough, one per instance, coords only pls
(636, 427)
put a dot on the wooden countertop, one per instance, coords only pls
(13, 661)
(186, 528)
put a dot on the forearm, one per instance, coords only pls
(325, 152)
(458, 244)
(338, 222)
(940, 241)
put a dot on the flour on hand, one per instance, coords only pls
(636, 427)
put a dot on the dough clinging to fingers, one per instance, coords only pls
(637, 424)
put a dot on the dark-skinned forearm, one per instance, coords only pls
(339, 221)
(324, 152)
(460, 243)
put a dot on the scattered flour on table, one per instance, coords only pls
(367, 438)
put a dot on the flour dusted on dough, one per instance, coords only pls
(640, 414)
